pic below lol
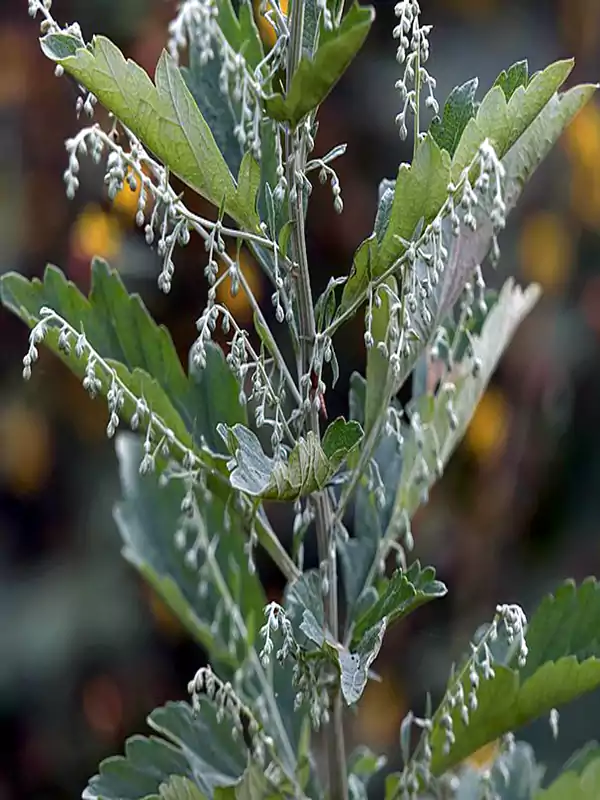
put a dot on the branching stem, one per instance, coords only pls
(296, 165)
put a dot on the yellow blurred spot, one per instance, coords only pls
(585, 195)
(546, 249)
(380, 712)
(582, 144)
(582, 137)
(238, 304)
(484, 757)
(489, 427)
(25, 449)
(95, 233)
(267, 31)
(126, 201)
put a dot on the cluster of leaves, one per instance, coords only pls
(184, 119)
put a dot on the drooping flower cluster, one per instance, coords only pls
(197, 22)
(460, 701)
(310, 675)
(228, 704)
(412, 54)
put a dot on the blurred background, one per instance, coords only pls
(86, 651)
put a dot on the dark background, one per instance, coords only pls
(85, 649)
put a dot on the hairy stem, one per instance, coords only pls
(296, 165)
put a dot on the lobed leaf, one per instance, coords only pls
(179, 788)
(148, 518)
(309, 467)
(315, 77)
(420, 191)
(575, 786)
(399, 596)
(515, 695)
(164, 115)
(460, 107)
(220, 111)
(503, 119)
(119, 328)
(470, 248)
(523, 127)
(252, 785)
(198, 749)
(355, 665)
(304, 601)
(509, 80)
(240, 30)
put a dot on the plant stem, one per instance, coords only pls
(296, 166)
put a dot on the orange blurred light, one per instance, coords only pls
(126, 201)
(95, 233)
(238, 305)
(484, 757)
(26, 455)
(381, 711)
(546, 249)
(488, 430)
(264, 26)
(103, 706)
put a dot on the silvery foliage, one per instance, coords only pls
(301, 641)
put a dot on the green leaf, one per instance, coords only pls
(470, 248)
(304, 602)
(218, 109)
(563, 663)
(362, 765)
(565, 623)
(420, 191)
(533, 146)
(384, 207)
(149, 517)
(316, 77)
(441, 428)
(306, 594)
(163, 115)
(503, 121)
(460, 107)
(309, 467)
(119, 328)
(526, 127)
(355, 666)
(510, 80)
(310, 28)
(581, 758)
(199, 749)
(574, 785)
(240, 30)
(178, 788)
(253, 785)
(399, 596)
(361, 272)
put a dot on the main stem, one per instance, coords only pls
(296, 164)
